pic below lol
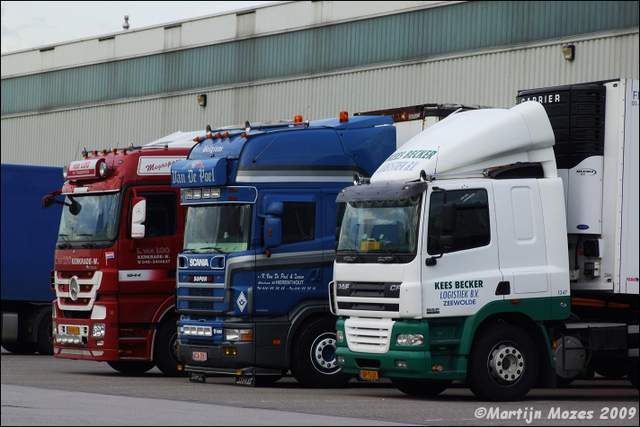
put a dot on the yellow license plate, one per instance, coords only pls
(370, 246)
(369, 375)
(73, 330)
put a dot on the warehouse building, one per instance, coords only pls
(313, 58)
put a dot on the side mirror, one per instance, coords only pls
(337, 234)
(340, 214)
(275, 208)
(449, 216)
(272, 232)
(447, 244)
(48, 201)
(446, 240)
(74, 207)
(138, 216)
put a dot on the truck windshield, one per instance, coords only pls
(89, 218)
(218, 228)
(380, 226)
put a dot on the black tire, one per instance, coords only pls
(165, 350)
(611, 370)
(562, 382)
(313, 355)
(632, 372)
(131, 368)
(503, 364)
(421, 388)
(266, 380)
(21, 347)
(45, 336)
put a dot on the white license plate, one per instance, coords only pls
(199, 356)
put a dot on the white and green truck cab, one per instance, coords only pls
(480, 252)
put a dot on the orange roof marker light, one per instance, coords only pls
(297, 119)
(344, 116)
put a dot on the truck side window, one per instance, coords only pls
(472, 219)
(298, 222)
(162, 211)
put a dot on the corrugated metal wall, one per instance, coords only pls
(415, 35)
(488, 78)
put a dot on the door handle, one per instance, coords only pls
(315, 275)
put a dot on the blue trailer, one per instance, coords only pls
(252, 288)
(29, 237)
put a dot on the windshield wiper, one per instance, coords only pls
(197, 251)
(391, 258)
(353, 258)
(215, 249)
(65, 244)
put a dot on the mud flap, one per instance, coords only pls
(197, 377)
(245, 380)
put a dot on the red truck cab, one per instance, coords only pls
(115, 260)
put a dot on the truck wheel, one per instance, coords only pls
(45, 336)
(20, 347)
(266, 380)
(165, 352)
(131, 368)
(313, 358)
(422, 388)
(503, 364)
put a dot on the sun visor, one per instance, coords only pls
(198, 173)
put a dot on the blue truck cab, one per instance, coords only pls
(253, 275)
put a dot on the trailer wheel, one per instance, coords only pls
(503, 364)
(632, 372)
(131, 368)
(45, 335)
(422, 388)
(165, 352)
(612, 370)
(313, 356)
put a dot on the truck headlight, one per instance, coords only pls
(339, 336)
(98, 330)
(238, 334)
(410, 339)
(196, 331)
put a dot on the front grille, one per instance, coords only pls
(368, 290)
(200, 305)
(368, 335)
(368, 363)
(84, 293)
(367, 296)
(368, 306)
(69, 314)
(200, 292)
